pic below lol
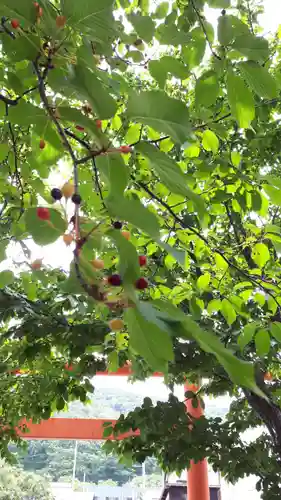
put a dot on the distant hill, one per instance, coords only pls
(111, 402)
(105, 403)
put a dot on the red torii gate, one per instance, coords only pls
(92, 429)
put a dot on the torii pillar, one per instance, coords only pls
(197, 474)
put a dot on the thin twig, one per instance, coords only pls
(97, 182)
(5, 29)
(51, 113)
(250, 18)
(204, 30)
(14, 102)
(78, 139)
(153, 141)
(14, 146)
(6, 100)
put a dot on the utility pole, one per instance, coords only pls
(143, 475)
(74, 464)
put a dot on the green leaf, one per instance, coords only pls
(207, 89)
(23, 9)
(259, 79)
(247, 335)
(220, 262)
(179, 255)
(71, 284)
(149, 341)
(4, 150)
(225, 30)
(26, 47)
(135, 55)
(262, 342)
(44, 232)
(255, 48)
(3, 246)
(60, 403)
(107, 432)
(96, 17)
(91, 88)
(169, 34)
(113, 361)
(241, 372)
(210, 141)
(192, 151)
(228, 312)
(6, 278)
(174, 66)
(214, 306)
(162, 10)
(274, 194)
(25, 113)
(115, 172)
(143, 25)
(170, 312)
(153, 315)
(166, 145)
(2, 109)
(128, 267)
(219, 4)
(75, 116)
(256, 201)
(260, 254)
(275, 329)
(135, 213)
(160, 112)
(158, 72)
(235, 158)
(133, 134)
(203, 282)
(193, 52)
(240, 99)
(170, 173)
(45, 129)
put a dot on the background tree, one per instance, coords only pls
(169, 128)
(16, 484)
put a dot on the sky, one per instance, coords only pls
(271, 18)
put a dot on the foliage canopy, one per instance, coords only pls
(171, 125)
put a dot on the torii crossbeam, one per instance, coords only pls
(92, 429)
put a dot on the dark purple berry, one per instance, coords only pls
(138, 42)
(56, 194)
(76, 198)
(114, 280)
(117, 225)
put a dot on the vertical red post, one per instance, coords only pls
(197, 474)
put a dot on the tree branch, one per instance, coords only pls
(183, 224)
